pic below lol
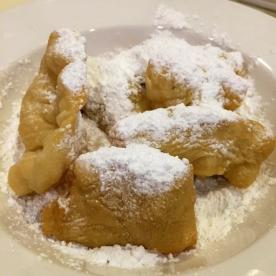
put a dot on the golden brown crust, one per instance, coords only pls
(232, 148)
(165, 222)
(49, 125)
(163, 90)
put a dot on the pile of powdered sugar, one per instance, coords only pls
(167, 18)
(128, 256)
(219, 209)
(152, 172)
(170, 18)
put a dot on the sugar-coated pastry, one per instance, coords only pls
(119, 139)
(50, 116)
(111, 95)
(164, 90)
(214, 140)
(135, 195)
(197, 74)
(163, 71)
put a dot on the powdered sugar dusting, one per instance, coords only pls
(63, 203)
(4, 92)
(174, 119)
(50, 96)
(169, 18)
(152, 172)
(113, 103)
(206, 70)
(32, 205)
(222, 39)
(117, 256)
(8, 142)
(71, 45)
(220, 208)
(73, 76)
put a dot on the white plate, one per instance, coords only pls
(26, 28)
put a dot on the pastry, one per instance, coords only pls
(50, 119)
(112, 97)
(214, 140)
(191, 78)
(135, 195)
(164, 90)
(163, 71)
(124, 139)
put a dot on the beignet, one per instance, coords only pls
(214, 140)
(50, 116)
(135, 195)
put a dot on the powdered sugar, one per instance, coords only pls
(118, 256)
(73, 76)
(115, 75)
(4, 92)
(71, 45)
(169, 18)
(218, 208)
(63, 203)
(7, 144)
(205, 69)
(50, 96)
(151, 171)
(32, 205)
(222, 39)
(175, 119)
